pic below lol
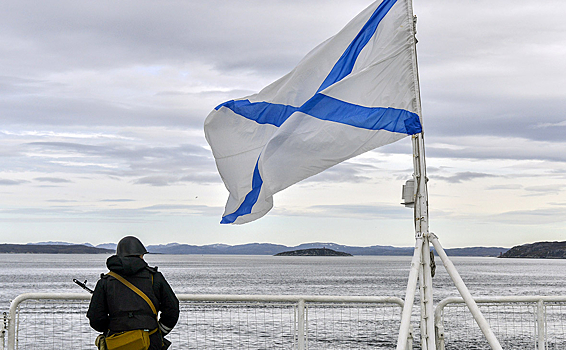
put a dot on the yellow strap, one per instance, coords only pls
(135, 289)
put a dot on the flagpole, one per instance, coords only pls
(428, 338)
(422, 233)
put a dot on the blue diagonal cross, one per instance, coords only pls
(327, 108)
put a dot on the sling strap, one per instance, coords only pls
(135, 289)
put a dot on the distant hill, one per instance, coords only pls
(539, 250)
(51, 249)
(272, 249)
(111, 246)
(313, 252)
(476, 251)
(59, 243)
(242, 249)
(253, 249)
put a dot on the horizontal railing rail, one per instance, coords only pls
(296, 322)
(225, 321)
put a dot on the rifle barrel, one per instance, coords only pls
(83, 285)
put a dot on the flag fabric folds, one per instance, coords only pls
(354, 92)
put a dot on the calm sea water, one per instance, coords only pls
(229, 274)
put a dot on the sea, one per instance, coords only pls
(270, 275)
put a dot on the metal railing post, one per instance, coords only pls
(439, 326)
(11, 330)
(410, 338)
(4, 328)
(301, 325)
(541, 329)
(439, 336)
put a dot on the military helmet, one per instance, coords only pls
(130, 246)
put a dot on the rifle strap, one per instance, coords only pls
(135, 289)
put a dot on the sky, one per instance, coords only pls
(102, 105)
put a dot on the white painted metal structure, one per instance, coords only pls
(424, 237)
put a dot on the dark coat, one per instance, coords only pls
(116, 308)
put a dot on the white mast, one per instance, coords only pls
(420, 266)
(421, 213)
(421, 221)
(421, 263)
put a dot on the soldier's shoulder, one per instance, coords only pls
(151, 269)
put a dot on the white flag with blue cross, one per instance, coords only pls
(353, 93)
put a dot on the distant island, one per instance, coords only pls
(539, 250)
(51, 247)
(313, 252)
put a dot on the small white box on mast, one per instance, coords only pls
(408, 194)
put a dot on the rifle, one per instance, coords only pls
(83, 285)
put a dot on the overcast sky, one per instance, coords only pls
(102, 105)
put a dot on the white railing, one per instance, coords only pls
(58, 321)
(519, 322)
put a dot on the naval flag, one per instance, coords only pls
(356, 91)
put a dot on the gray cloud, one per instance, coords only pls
(505, 187)
(463, 176)
(494, 71)
(486, 147)
(545, 189)
(157, 180)
(8, 182)
(73, 213)
(362, 211)
(134, 160)
(474, 82)
(166, 180)
(52, 180)
(87, 111)
(344, 172)
(532, 217)
(212, 177)
(109, 34)
(496, 116)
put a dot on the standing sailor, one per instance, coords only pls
(115, 307)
